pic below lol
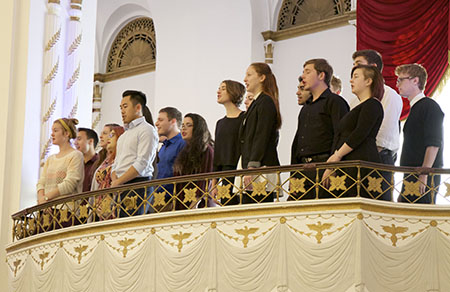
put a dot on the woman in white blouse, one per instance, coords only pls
(63, 172)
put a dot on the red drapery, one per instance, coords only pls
(406, 31)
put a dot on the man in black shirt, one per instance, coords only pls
(422, 136)
(317, 123)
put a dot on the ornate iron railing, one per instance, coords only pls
(267, 184)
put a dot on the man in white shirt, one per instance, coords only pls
(388, 138)
(136, 151)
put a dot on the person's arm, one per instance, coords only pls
(335, 157)
(40, 186)
(433, 123)
(428, 161)
(74, 175)
(146, 152)
(392, 107)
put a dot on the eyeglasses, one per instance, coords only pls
(400, 79)
(183, 126)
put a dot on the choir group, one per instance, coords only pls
(328, 131)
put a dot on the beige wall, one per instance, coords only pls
(14, 25)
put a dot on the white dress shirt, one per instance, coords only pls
(416, 99)
(136, 147)
(389, 134)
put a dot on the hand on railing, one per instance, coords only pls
(423, 183)
(326, 177)
(248, 179)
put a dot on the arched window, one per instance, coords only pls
(300, 12)
(134, 46)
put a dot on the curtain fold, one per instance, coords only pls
(406, 31)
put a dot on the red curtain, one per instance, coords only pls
(406, 31)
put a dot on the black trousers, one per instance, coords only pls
(430, 195)
(229, 181)
(310, 179)
(139, 194)
(387, 157)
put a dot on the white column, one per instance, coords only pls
(72, 60)
(97, 106)
(51, 74)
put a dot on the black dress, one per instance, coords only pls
(358, 129)
(227, 149)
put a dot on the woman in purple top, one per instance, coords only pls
(196, 157)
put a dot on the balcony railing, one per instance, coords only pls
(268, 184)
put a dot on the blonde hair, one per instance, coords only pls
(414, 70)
(69, 126)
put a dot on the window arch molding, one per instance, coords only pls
(132, 52)
(300, 17)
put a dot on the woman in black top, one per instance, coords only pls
(357, 130)
(227, 144)
(259, 131)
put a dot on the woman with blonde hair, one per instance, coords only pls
(63, 172)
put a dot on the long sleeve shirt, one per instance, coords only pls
(63, 173)
(389, 134)
(423, 128)
(317, 124)
(136, 147)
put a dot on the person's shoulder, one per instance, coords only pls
(335, 98)
(221, 121)
(429, 103)
(76, 154)
(374, 103)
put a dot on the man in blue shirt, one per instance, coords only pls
(168, 125)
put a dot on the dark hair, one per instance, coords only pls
(414, 70)
(235, 90)
(372, 57)
(90, 134)
(372, 72)
(139, 97)
(190, 158)
(321, 65)
(70, 124)
(269, 86)
(103, 152)
(172, 113)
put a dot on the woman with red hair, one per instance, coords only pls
(357, 130)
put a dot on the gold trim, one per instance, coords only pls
(52, 73)
(125, 72)
(53, 40)
(74, 77)
(76, 2)
(227, 213)
(444, 80)
(309, 28)
(74, 45)
(54, 1)
(77, 7)
(75, 18)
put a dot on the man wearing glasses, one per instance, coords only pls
(422, 135)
